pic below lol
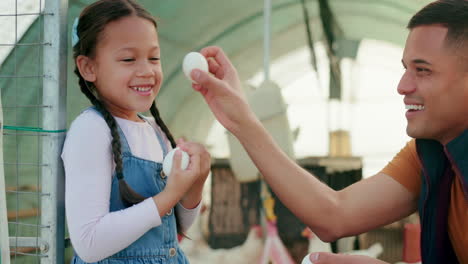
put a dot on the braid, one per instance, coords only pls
(127, 194)
(155, 113)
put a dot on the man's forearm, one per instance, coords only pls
(309, 199)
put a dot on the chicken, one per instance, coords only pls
(248, 252)
(198, 251)
(315, 244)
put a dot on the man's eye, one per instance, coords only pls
(422, 70)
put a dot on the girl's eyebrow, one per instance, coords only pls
(133, 48)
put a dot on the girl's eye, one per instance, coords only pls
(128, 60)
(154, 59)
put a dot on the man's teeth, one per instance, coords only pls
(141, 89)
(414, 107)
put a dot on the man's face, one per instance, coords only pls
(434, 85)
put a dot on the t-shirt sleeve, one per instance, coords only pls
(405, 168)
(187, 216)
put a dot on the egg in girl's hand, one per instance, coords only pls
(306, 260)
(167, 162)
(194, 60)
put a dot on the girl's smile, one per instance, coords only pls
(143, 89)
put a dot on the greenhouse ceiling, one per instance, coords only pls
(238, 26)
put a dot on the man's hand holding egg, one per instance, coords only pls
(194, 60)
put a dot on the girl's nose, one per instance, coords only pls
(145, 69)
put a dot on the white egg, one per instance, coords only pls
(167, 163)
(306, 260)
(194, 60)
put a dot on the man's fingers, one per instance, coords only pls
(215, 68)
(331, 258)
(323, 258)
(218, 54)
(206, 80)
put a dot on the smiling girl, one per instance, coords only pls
(121, 207)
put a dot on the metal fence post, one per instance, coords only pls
(54, 119)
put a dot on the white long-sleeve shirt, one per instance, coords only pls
(95, 232)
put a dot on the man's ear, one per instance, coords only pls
(86, 67)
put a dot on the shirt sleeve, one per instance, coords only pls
(95, 232)
(187, 216)
(406, 168)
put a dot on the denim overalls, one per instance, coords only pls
(159, 245)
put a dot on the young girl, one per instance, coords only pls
(121, 208)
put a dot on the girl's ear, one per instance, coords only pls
(86, 67)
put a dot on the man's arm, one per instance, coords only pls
(367, 204)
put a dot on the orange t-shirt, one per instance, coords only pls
(406, 168)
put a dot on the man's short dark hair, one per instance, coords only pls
(452, 14)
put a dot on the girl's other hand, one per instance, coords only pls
(179, 181)
(193, 195)
(193, 148)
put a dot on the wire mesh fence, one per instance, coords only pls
(33, 103)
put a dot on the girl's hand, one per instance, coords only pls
(222, 90)
(193, 148)
(180, 181)
(194, 194)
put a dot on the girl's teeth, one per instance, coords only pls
(141, 89)
(414, 107)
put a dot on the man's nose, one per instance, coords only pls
(407, 84)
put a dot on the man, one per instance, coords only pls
(430, 174)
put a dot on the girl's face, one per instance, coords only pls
(127, 68)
